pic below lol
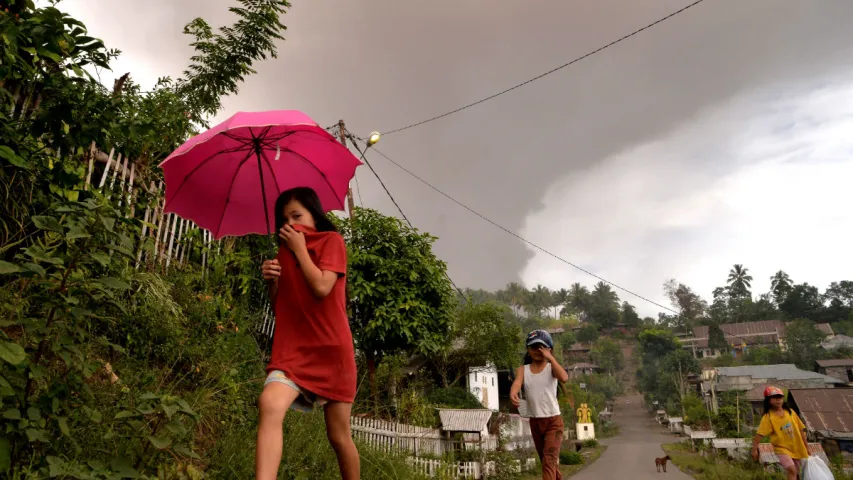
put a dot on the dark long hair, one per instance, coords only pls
(309, 199)
(785, 405)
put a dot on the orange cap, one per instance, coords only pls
(773, 391)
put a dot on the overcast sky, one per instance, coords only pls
(720, 136)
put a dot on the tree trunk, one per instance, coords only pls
(371, 378)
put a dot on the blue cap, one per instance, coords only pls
(540, 336)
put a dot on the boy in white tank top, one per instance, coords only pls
(539, 377)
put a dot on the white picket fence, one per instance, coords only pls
(386, 436)
(167, 231)
(475, 470)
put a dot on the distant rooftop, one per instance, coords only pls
(785, 371)
(843, 362)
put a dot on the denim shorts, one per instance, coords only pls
(306, 401)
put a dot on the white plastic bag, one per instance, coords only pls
(815, 469)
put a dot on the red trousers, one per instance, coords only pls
(548, 437)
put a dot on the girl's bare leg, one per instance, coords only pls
(273, 404)
(338, 431)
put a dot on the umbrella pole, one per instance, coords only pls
(264, 193)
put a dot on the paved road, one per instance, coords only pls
(631, 455)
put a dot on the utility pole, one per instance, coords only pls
(342, 133)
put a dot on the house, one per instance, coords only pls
(580, 369)
(740, 337)
(828, 416)
(483, 384)
(578, 352)
(841, 369)
(753, 378)
(837, 341)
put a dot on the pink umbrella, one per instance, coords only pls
(227, 178)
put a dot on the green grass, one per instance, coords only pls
(713, 467)
(590, 455)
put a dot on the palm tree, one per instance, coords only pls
(740, 281)
(579, 298)
(538, 299)
(561, 298)
(515, 295)
(605, 295)
(780, 285)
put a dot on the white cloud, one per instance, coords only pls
(764, 180)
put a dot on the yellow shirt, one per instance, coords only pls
(786, 434)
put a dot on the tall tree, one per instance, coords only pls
(802, 343)
(608, 355)
(538, 300)
(629, 315)
(780, 286)
(740, 281)
(478, 336)
(515, 295)
(579, 299)
(691, 307)
(401, 298)
(803, 301)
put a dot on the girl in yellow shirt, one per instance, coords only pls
(786, 430)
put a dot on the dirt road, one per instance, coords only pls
(631, 454)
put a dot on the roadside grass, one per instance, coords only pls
(714, 467)
(590, 456)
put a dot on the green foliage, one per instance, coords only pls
(802, 341)
(453, 397)
(401, 297)
(590, 443)
(588, 334)
(478, 336)
(568, 457)
(608, 355)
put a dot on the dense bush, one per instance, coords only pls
(567, 457)
(453, 397)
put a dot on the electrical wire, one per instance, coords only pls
(549, 72)
(363, 153)
(519, 237)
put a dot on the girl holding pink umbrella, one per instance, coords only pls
(225, 180)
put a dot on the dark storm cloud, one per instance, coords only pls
(381, 64)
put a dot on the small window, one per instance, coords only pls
(585, 428)
(493, 381)
(475, 376)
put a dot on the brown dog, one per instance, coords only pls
(661, 463)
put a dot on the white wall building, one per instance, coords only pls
(483, 384)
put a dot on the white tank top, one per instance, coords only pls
(540, 391)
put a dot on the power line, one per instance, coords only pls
(363, 157)
(635, 32)
(519, 237)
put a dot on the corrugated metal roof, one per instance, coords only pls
(825, 408)
(837, 341)
(841, 362)
(785, 371)
(458, 420)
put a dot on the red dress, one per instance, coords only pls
(312, 343)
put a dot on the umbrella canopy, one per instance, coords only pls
(228, 178)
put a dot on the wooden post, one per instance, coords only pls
(175, 226)
(106, 169)
(91, 166)
(115, 173)
(342, 133)
(737, 407)
(144, 229)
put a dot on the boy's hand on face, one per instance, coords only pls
(546, 352)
